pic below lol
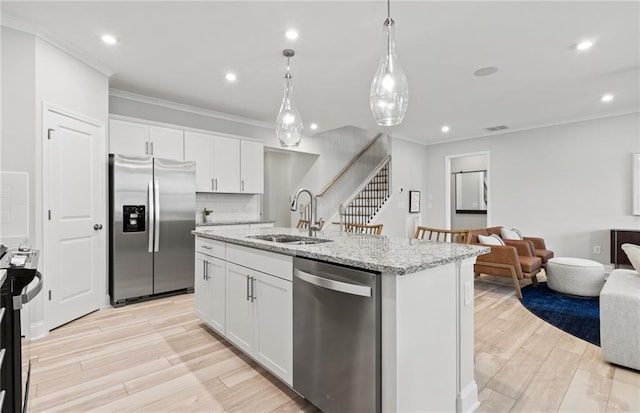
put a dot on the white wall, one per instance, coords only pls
(35, 72)
(17, 146)
(569, 183)
(408, 173)
(277, 187)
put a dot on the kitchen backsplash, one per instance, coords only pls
(228, 207)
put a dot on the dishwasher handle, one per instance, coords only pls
(353, 289)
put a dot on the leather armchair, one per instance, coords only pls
(517, 259)
(540, 249)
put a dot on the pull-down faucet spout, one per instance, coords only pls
(314, 209)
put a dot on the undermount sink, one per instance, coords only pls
(290, 239)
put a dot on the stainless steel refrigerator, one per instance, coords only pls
(152, 214)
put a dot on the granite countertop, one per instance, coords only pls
(391, 255)
(234, 222)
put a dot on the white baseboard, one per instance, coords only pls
(467, 399)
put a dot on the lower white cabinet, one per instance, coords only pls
(251, 307)
(209, 287)
(260, 318)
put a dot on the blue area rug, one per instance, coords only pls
(577, 316)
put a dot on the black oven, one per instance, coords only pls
(18, 268)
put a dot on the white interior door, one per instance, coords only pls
(74, 205)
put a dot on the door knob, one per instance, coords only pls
(97, 227)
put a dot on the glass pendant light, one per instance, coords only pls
(389, 94)
(288, 122)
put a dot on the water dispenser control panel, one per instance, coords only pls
(133, 218)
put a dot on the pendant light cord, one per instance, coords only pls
(388, 9)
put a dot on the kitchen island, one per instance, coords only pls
(426, 338)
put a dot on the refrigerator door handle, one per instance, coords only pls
(150, 214)
(156, 214)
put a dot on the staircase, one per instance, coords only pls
(370, 198)
(369, 173)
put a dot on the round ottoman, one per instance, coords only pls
(575, 276)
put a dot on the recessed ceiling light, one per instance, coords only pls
(291, 34)
(314, 126)
(606, 98)
(109, 39)
(584, 45)
(445, 129)
(486, 71)
(231, 77)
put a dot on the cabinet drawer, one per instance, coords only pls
(210, 247)
(272, 263)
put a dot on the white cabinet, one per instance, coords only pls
(132, 138)
(251, 167)
(166, 143)
(217, 161)
(128, 138)
(260, 318)
(240, 308)
(251, 307)
(201, 289)
(198, 147)
(210, 284)
(273, 331)
(225, 165)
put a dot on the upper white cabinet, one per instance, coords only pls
(132, 138)
(224, 164)
(251, 167)
(166, 143)
(198, 147)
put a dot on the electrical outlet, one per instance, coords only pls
(468, 293)
(597, 249)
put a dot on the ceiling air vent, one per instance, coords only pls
(497, 128)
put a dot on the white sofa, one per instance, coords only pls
(620, 319)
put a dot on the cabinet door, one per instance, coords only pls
(217, 294)
(128, 138)
(274, 325)
(201, 289)
(226, 165)
(166, 143)
(251, 167)
(198, 147)
(240, 310)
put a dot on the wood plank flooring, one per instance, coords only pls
(158, 357)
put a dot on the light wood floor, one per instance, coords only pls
(157, 357)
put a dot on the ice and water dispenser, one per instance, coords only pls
(134, 218)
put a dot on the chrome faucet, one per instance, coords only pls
(314, 209)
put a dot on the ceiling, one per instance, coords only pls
(180, 51)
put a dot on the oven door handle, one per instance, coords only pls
(343, 287)
(27, 295)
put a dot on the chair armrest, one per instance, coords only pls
(538, 243)
(525, 248)
(504, 254)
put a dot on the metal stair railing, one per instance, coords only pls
(351, 175)
(367, 200)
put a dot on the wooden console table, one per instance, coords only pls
(619, 237)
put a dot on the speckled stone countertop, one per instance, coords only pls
(391, 255)
(237, 222)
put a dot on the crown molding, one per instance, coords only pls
(188, 108)
(541, 126)
(55, 40)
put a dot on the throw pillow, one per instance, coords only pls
(490, 240)
(633, 253)
(510, 233)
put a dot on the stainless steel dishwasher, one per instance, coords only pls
(336, 336)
